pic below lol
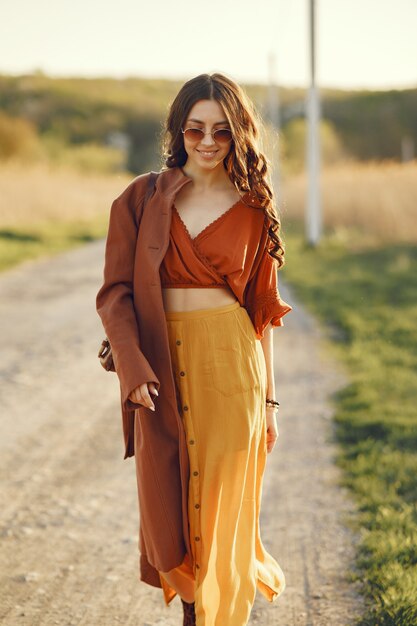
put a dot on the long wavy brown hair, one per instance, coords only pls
(247, 167)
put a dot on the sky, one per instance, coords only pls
(369, 44)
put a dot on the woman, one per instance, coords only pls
(188, 302)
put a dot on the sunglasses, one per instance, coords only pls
(220, 135)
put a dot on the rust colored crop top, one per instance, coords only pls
(231, 251)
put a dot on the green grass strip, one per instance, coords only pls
(367, 301)
(21, 243)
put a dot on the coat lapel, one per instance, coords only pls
(156, 220)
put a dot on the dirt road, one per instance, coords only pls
(69, 513)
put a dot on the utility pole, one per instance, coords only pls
(313, 208)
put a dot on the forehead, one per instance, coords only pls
(207, 111)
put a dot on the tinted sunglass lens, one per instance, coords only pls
(194, 134)
(222, 135)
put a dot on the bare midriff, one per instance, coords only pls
(194, 298)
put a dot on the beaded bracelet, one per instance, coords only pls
(272, 402)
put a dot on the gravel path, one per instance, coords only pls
(69, 516)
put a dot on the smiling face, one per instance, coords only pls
(208, 115)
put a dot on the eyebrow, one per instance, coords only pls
(192, 119)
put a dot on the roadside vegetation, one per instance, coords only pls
(44, 209)
(361, 282)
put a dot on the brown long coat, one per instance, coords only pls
(130, 306)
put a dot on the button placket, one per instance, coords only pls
(192, 451)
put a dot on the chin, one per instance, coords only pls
(200, 162)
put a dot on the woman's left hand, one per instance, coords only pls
(272, 433)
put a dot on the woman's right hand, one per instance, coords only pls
(141, 395)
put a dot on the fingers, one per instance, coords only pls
(135, 396)
(272, 433)
(271, 439)
(146, 398)
(270, 445)
(153, 389)
(141, 395)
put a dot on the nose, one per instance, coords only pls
(208, 140)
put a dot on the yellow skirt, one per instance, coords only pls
(220, 378)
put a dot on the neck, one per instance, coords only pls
(205, 179)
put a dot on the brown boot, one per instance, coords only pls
(189, 613)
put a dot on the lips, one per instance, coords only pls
(208, 152)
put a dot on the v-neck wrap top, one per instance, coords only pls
(231, 251)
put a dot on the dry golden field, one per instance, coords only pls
(376, 199)
(41, 193)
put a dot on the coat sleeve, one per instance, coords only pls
(114, 300)
(262, 299)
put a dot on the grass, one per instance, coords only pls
(373, 198)
(45, 210)
(40, 202)
(367, 299)
(20, 243)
